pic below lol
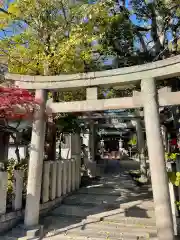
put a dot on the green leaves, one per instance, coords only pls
(69, 124)
(53, 31)
(174, 178)
(171, 156)
(61, 33)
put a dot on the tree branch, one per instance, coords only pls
(4, 11)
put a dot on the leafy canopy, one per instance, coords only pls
(54, 32)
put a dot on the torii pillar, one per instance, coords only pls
(92, 140)
(164, 220)
(141, 149)
(92, 94)
(31, 219)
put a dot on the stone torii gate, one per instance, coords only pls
(148, 98)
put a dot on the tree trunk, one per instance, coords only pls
(4, 143)
(51, 140)
(16, 139)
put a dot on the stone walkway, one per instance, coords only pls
(111, 208)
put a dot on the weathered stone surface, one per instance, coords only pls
(35, 164)
(164, 219)
(18, 189)
(109, 230)
(107, 234)
(3, 191)
(159, 70)
(46, 181)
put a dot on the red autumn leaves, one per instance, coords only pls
(16, 103)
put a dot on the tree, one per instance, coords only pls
(144, 31)
(53, 37)
(16, 105)
(57, 33)
(152, 31)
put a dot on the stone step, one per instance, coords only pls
(119, 216)
(117, 225)
(109, 233)
(93, 233)
(67, 237)
(64, 224)
(150, 217)
(134, 221)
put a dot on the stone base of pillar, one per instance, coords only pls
(33, 233)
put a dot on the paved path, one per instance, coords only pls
(111, 208)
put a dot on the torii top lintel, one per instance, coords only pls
(122, 76)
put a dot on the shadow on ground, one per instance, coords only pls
(112, 196)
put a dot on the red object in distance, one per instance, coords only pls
(173, 142)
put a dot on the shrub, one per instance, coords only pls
(12, 165)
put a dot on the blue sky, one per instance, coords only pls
(133, 19)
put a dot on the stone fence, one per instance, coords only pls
(59, 179)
